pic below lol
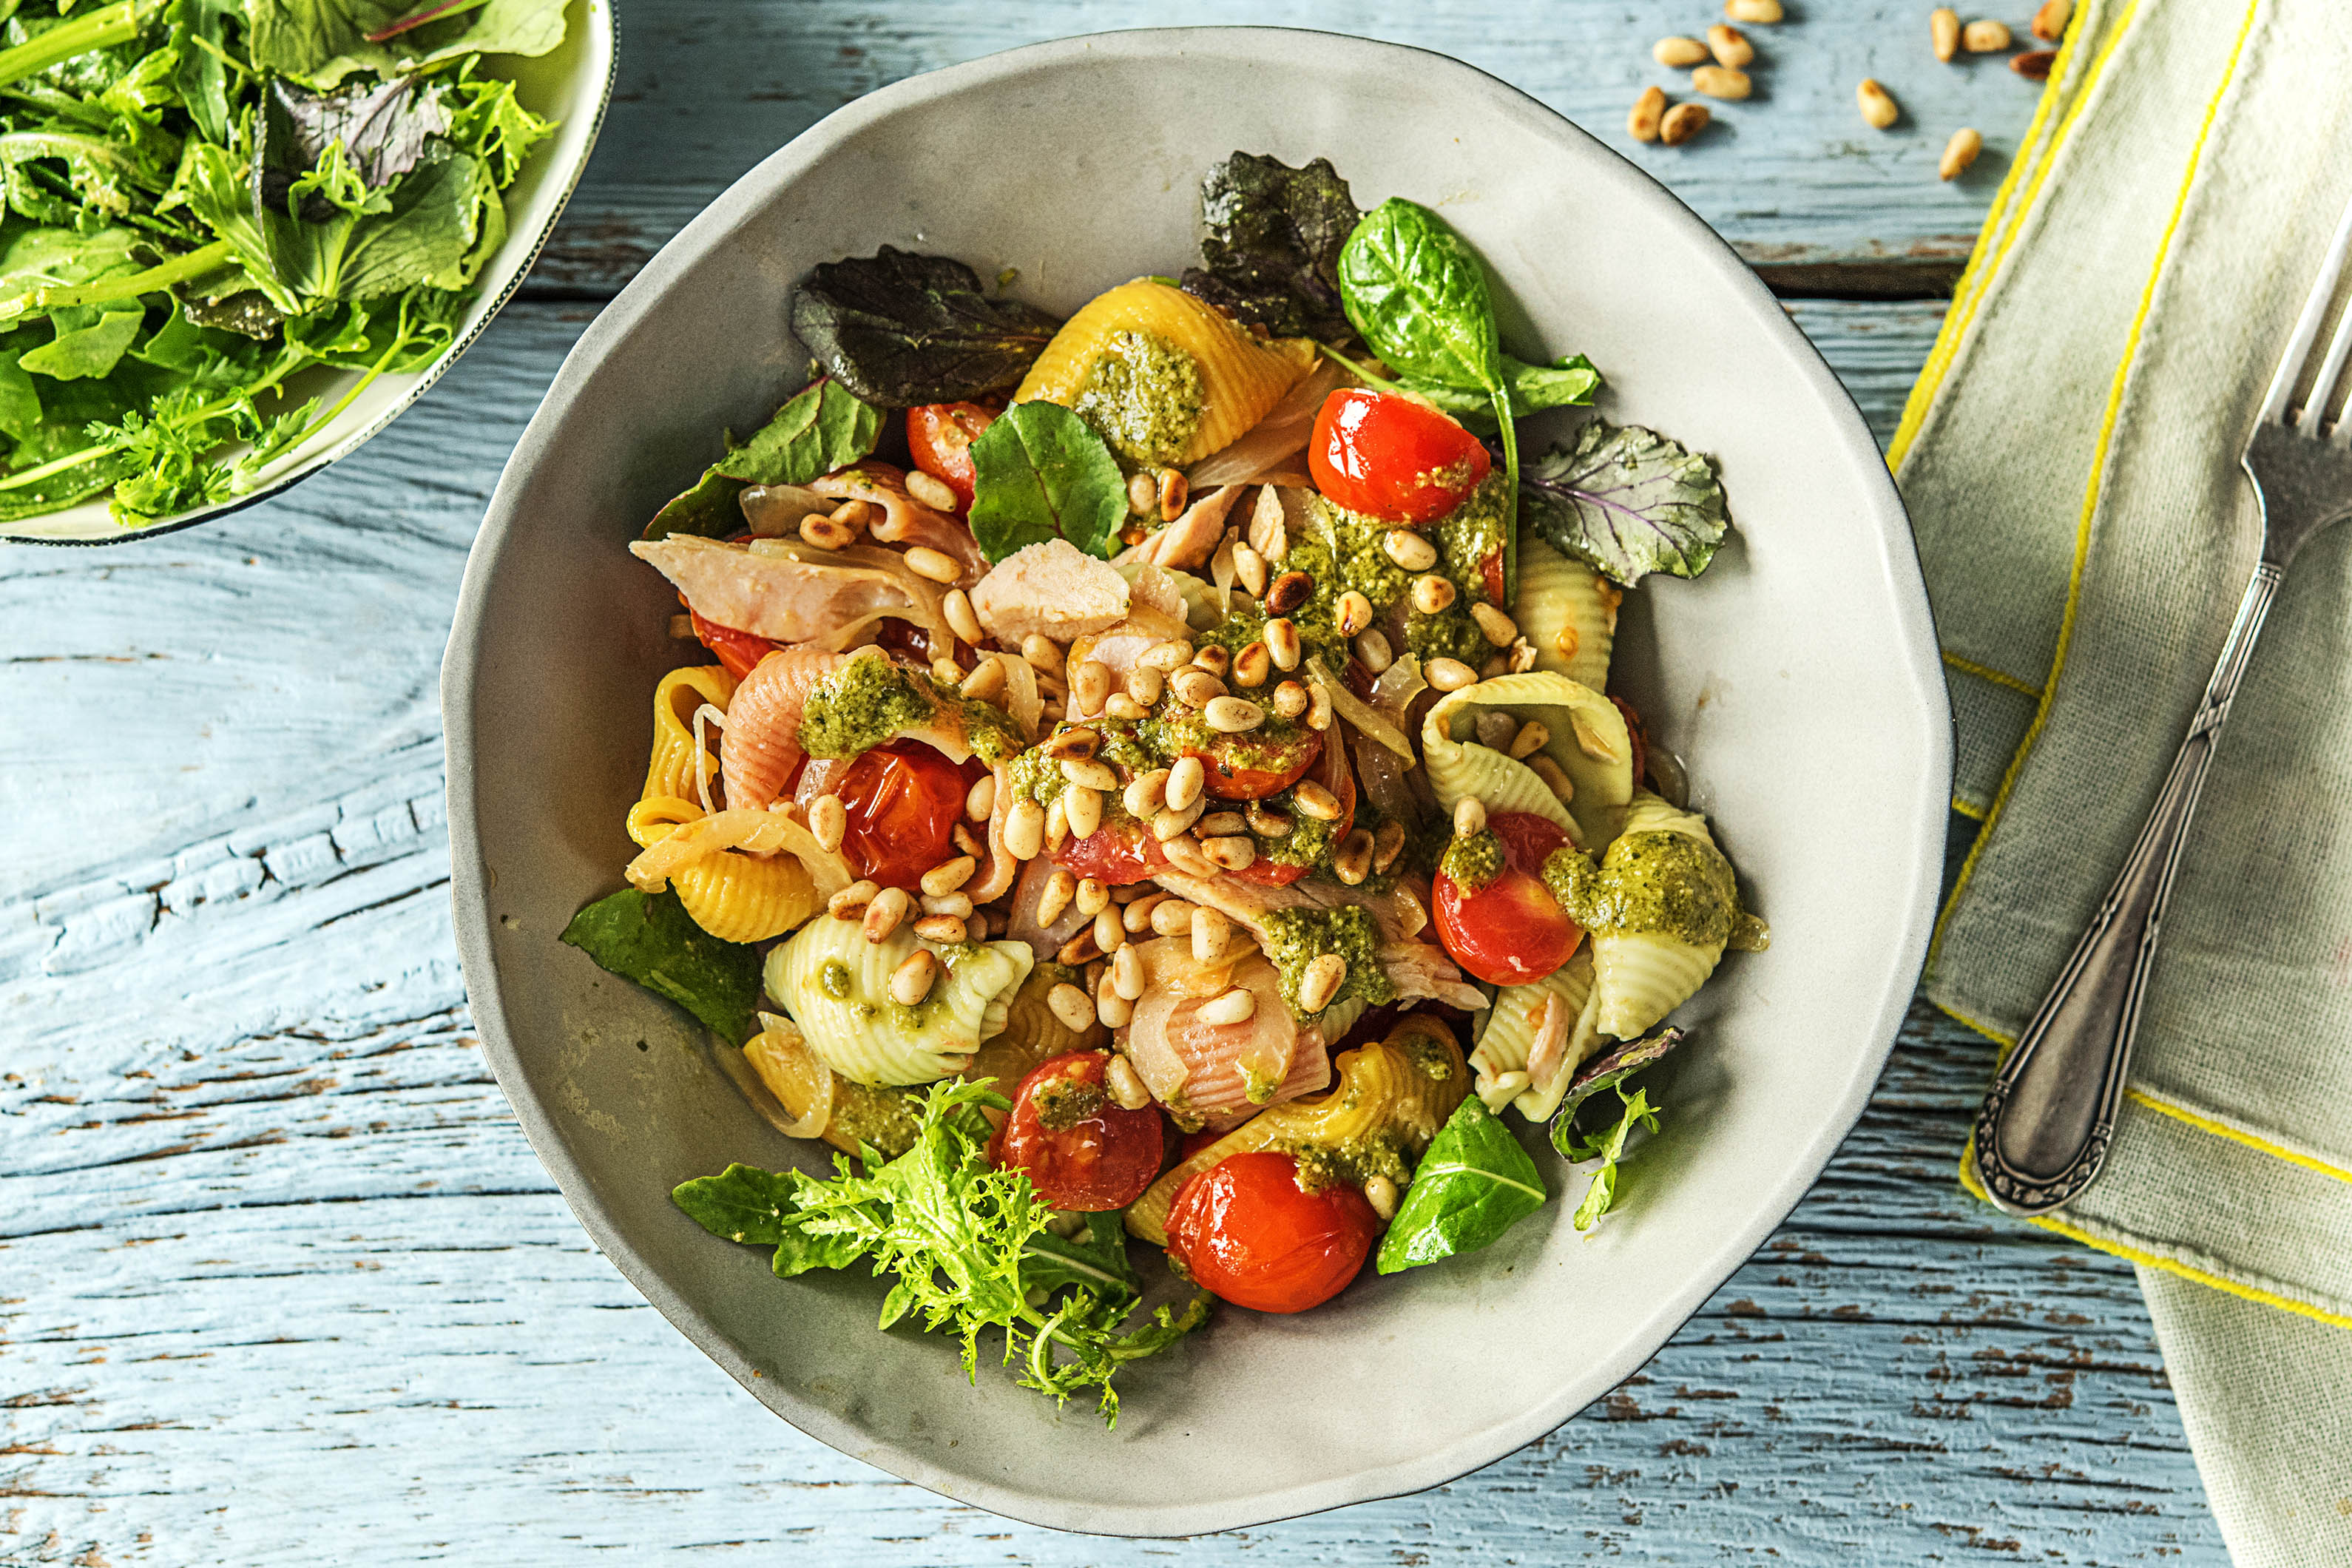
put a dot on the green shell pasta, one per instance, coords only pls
(836, 987)
(1510, 1030)
(1586, 738)
(1567, 611)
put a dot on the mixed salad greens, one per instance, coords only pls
(203, 198)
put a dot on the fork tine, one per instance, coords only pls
(2322, 390)
(2307, 325)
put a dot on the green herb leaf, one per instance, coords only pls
(649, 938)
(1040, 472)
(1271, 254)
(1609, 1147)
(200, 38)
(322, 41)
(712, 509)
(487, 121)
(900, 330)
(742, 1202)
(86, 352)
(380, 127)
(1415, 291)
(1607, 1070)
(1096, 1258)
(1533, 387)
(1475, 1184)
(1628, 501)
(823, 428)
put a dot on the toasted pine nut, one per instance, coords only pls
(1315, 801)
(1109, 935)
(1054, 896)
(1765, 12)
(1235, 854)
(1073, 743)
(1196, 686)
(911, 981)
(1730, 47)
(931, 491)
(1083, 807)
(825, 533)
(1642, 125)
(1044, 653)
(1373, 649)
(828, 820)
(1176, 820)
(1184, 852)
(1681, 122)
(1250, 567)
(1142, 495)
(1944, 32)
(1533, 737)
(1238, 1005)
(1126, 972)
(1318, 707)
(1287, 592)
(1119, 705)
(1381, 1192)
(1289, 700)
(1878, 105)
(1222, 825)
(1057, 823)
(855, 514)
(1079, 950)
(946, 670)
(1449, 674)
(937, 566)
(1353, 859)
(1499, 628)
(2034, 64)
(1167, 658)
(1388, 843)
(1354, 612)
(2050, 21)
(1126, 1087)
(1092, 898)
(849, 904)
(1469, 816)
(1959, 153)
(1320, 981)
(1282, 643)
(940, 881)
(1144, 684)
(1413, 552)
(1089, 774)
(1431, 593)
(975, 926)
(1137, 917)
(1554, 776)
(1186, 779)
(1090, 685)
(1115, 1011)
(1985, 36)
(1676, 53)
(966, 844)
(1024, 830)
(1494, 730)
(1232, 715)
(980, 801)
(1253, 666)
(1072, 1007)
(1173, 493)
(882, 916)
(986, 681)
(946, 930)
(1721, 81)
(955, 904)
(1173, 917)
(1145, 794)
(962, 619)
(1266, 822)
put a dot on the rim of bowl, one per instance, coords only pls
(469, 888)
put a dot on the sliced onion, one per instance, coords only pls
(1281, 436)
(780, 1048)
(1020, 698)
(1357, 712)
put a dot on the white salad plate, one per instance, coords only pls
(569, 84)
(1798, 679)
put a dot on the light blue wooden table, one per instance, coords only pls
(280, 1282)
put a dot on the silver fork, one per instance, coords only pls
(2044, 1130)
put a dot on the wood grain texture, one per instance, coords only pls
(280, 1282)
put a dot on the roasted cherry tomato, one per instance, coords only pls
(1641, 737)
(1081, 1148)
(1250, 768)
(738, 651)
(1512, 930)
(1491, 569)
(940, 435)
(904, 800)
(1386, 456)
(1114, 855)
(1248, 1234)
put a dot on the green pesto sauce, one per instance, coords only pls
(1668, 882)
(1258, 1088)
(859, 706)
(1035, 776)
(1309, 842)
(1472, 531)
(994, 738)
(1144, 396)
(1351, 1163)
(834, 976)
(884, 1118)
(1471, 863)
(1295, 938)
(1349, 553)
(1066, 1101)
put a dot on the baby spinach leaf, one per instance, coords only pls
(711, 508)
(1271, 254)
(1628, 501)
(1607, 1070)
(1040, 472)
(649, 938)
(1475, 1184)
(742, 1203)
(900, 330)
(1609, 1147)
(1533, 387)
(824, 427)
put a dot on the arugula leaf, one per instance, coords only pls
(1475, 1184)
(1040, 472)
(649, 938)
(1628, 501)
(1609, 1147)
(200, 68)
(1607, 1070)
(824, 427)
(322, 41)
(901, 330)
(742, 1203)
(1271, 254)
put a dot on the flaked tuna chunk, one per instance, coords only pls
(1055, 588)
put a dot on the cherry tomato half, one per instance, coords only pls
(1248, 1234)
(1269, 768)
(904, 800)
(1512, 930)
(1114, 855)
(1386, 456)
(738, 651)
(1491, 569)
(1081, 1148)
(940, 435)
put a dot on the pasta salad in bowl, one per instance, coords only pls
(1155, 774)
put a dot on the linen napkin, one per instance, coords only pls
(2070, 458)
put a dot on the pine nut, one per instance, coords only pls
(946, 670)
(1388, 843)
(1084, 808)
(1090, 685)
(965, 842)
(1287, 592)
(975, 927)
(1250, 567)
(1175, 821)
(1555, 778)
(825, 533)
(1253, 666)
(1353, 859)
(1126, 972)
(1494, 730)
(1173, 493)
(1289, 700)
(1681, 122)
(1173, 917)
(1054, 896)
(1878, 105)
(986, 681)
(1232, 715)
(1730, 47)
(930, 491)
(1319, 708)
(1944, 32)
(1167, 658)
(855, 515)
(1353, 612)
(1266, 822)
(1469, 816)
(1125, 1087)
(1236, 854)
(1142, 495)
(941, 881)
(1642, 125)
(962, 619)
(1115, 1010)
(1072, 1007)
(1222, 825)
(1238, 1005)
(1282, 643)
(1959, 153)
(1184, 852)
(1765, 12)
(1092, 898)
(1137, 917)
(955, 904)
(1499, 628)
(1094, 775)
(2034, 63)
(1186, 779)
(1144, 684)
(935, 566)
(1119, 705)
(1320, 981)
(849, 904)
(1044, 653)
(1109, 935)
(1057, 823)
(1195, 687)
(911, 981)
(1079, 950)
(1381, 1192)
(1676, 53)
(1216, 660)
(1431, 593)
(1717, 81)
(828, 821)
(1449, 674)
(1532, 738)
(1145, 794)
(885, 913)
(948, 931)
(1373, 649)
(980, 801)
(2050, 21)
(1985, 36)
(1313, 800)
(1024, 830)
(1413, 552)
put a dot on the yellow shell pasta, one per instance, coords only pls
(1639, 977)
(884, 1118)
(1567, 611)
(1511, 1024)
(836, 985)
(735, 898)
(1392, 1097)
(676, 698)
(1239, 378)
(1033, 1032)
(1587, 738)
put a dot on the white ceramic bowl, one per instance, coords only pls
(1798, 679)
(570, 83)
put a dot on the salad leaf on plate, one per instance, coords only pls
(322, 41)
(901, 330)
(822, 427)
(1608, 1148)
(649, 938)
(1610, 1069)
(1271, 254)
(1473, 1184)
(1628, 501)
(1040, 472)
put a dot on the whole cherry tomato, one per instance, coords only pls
(1248, 1234)
(904, 800)
(1081, 1148)
(738, 651)
(1512, 930)
(1270, 766)
(1386, 456)
(940, 435)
